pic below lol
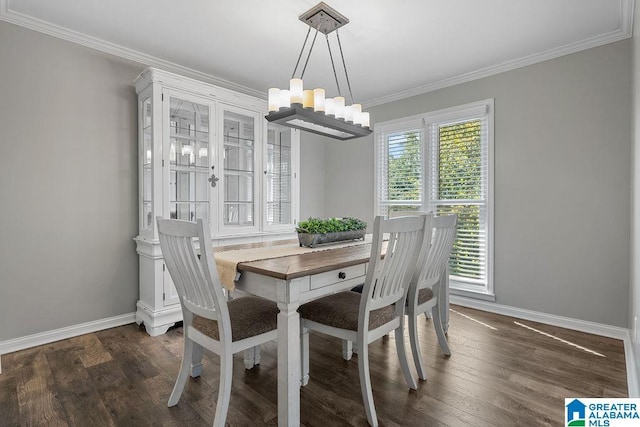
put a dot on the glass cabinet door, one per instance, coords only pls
(147, 168)
(189, 159)
(239, 133)
(278, 176)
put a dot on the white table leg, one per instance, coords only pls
(444, 295)
(304, 351)
(289, 364)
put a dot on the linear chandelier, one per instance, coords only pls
(308, 109)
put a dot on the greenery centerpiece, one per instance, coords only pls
(314, 231)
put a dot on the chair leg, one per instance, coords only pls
(183, 374)
(415, 344)
(304, 353)
(224, 390)
(347, 349)
(437, 324)
(196, 360)
(402, 356)
(365, 384)
(257, 355)
(252, 357)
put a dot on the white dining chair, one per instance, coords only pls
(209, 320)
(426, 289)
(364, 318)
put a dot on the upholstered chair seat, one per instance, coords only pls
(250, 316)
(341, 311)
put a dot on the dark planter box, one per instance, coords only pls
(313, 240)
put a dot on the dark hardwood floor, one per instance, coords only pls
(500, 374)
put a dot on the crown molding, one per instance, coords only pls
(624, 32)
(7, 15)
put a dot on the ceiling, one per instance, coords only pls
(393, 49)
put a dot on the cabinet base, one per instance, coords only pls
(157, 322)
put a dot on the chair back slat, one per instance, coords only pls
(190, 278)
(435, 257)
(388, 278)
(189, 274)
(195, 276)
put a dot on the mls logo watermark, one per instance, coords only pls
(601, 412)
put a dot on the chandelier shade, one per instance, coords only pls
(310, 109)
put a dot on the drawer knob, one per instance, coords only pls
(342, 275)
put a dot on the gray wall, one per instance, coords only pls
(562, 180)
(68, 187)
(634, 300)
(312, 152)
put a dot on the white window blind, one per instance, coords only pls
(400, 176)
(458, 183)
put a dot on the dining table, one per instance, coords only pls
(290, 281)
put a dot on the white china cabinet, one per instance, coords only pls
(207, 153)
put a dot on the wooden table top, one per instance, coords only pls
(294, 266)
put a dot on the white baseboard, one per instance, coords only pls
(47, 337)
(548, 319)
(633, 378)
(633, 381)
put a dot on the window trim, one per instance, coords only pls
(423, 122)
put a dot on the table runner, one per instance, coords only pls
(227, 261)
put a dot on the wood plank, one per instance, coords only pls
(36, 394)
(9, 407)
(93, 353)
(82, 404)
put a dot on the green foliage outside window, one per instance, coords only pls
(405, 171)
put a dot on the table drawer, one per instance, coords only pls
(336, 276)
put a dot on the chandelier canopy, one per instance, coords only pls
(310, 109)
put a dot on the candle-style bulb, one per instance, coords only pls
(318, 100)
(295, 91)
(274, 99)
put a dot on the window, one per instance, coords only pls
(399, 164)
(443, 162)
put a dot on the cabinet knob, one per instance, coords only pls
(342, 275)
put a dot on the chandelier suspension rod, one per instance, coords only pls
(300, 56)
(313, 42)
(333, 64)
(344, 64)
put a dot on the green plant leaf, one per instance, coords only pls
(330, 225)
